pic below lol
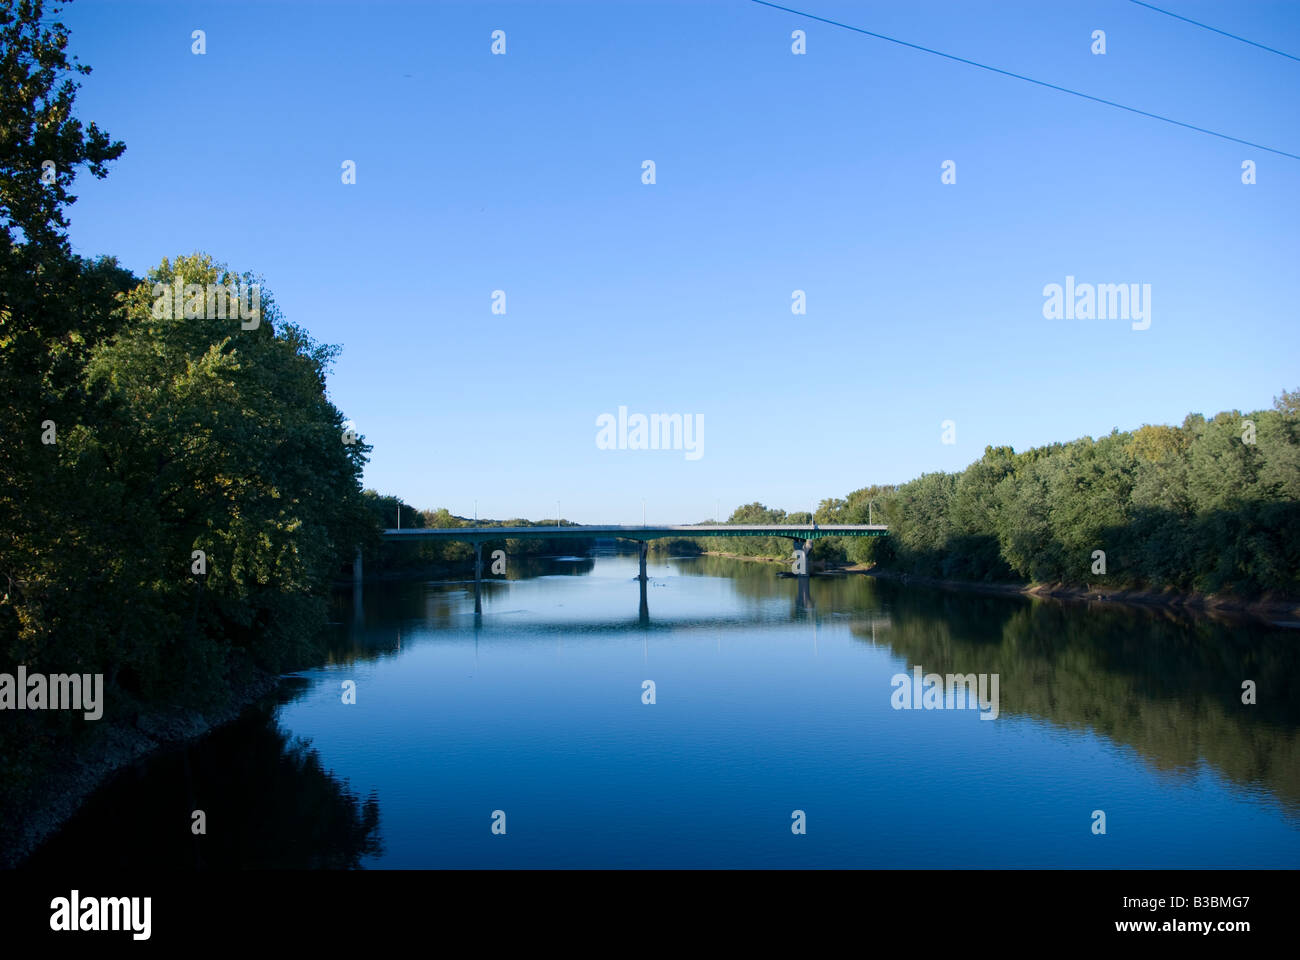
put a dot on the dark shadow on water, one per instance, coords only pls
(269, 803)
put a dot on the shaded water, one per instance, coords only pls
(768, 700)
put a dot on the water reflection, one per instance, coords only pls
(269, 803)
(1164, 683)
(770, 687)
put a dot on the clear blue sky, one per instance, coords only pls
(775, 172)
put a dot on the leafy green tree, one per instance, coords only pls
(42, 144)
(53, 306)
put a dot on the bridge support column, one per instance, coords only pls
(645, 548)
(478, 577)
(803, 601)
(806, 548)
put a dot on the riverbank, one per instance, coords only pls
(63, 788)
(1280, 612)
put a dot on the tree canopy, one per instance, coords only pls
(177, 491)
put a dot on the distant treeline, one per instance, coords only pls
(1211, 506)
(750, 513)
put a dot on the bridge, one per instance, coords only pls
(798, 532)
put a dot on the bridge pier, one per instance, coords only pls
(803, 599)
(478, 577)
(806, 547)
(645, 548)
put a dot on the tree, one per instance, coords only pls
(53, 306)
(38, 130)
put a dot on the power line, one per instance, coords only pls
(1041, 83)
(1206, 26)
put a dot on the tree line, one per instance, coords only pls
(1210, 506)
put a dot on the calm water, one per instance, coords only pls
(766, 703)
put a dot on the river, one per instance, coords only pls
(521, 736)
